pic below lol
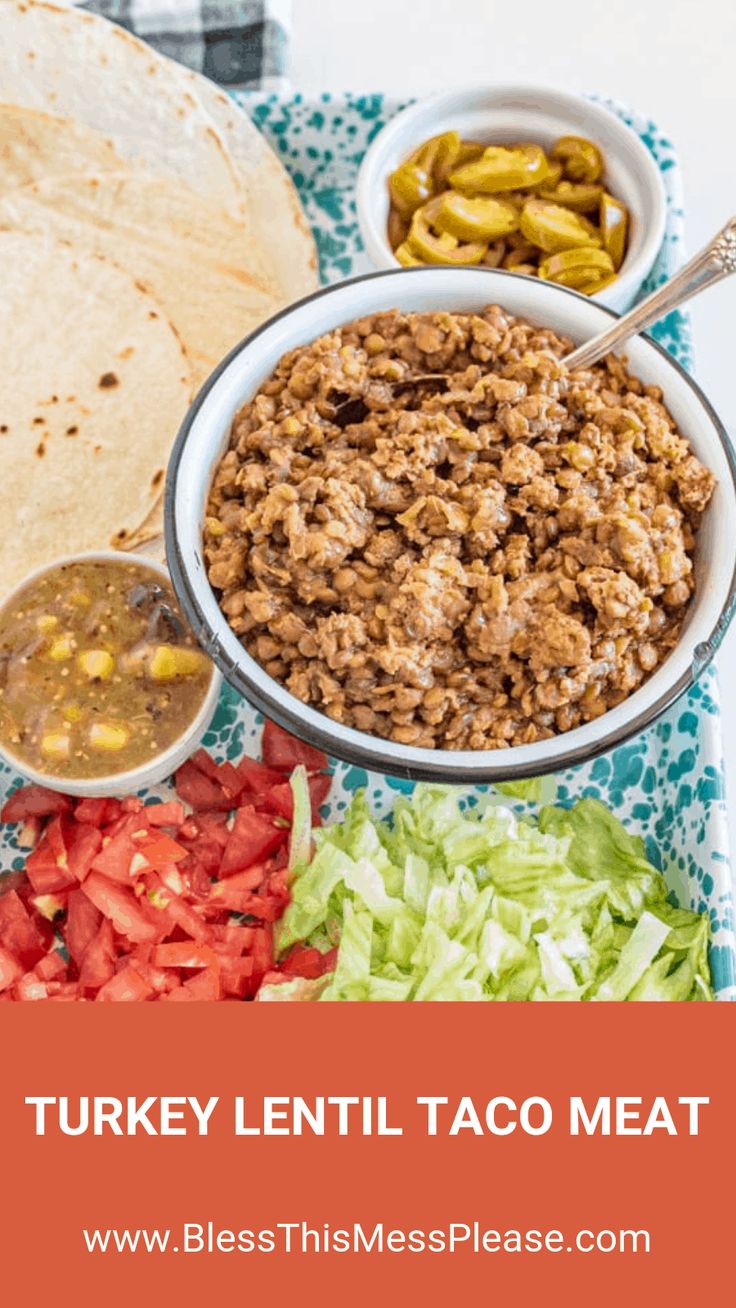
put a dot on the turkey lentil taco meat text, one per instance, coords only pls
(427, 528)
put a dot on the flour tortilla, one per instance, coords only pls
(275, 214)
(95, 402)
(188, 252)
(76, 65)
(35, 145)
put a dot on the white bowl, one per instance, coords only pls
(205, 433)
(147, 774)
(504, 114)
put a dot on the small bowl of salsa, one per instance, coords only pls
(103, 687)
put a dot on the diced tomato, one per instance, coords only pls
(319, 789)
(233, 937)
(235, 975)
(156, 978)
(262, 951)
(277, 888)
(127, 986)
(195, 877)
(159, 850)
(27, 837)
(253, 837)
(82, 924)
(10, 969)
(19, 933)
(205, 986)
(116, 859)
(250, 879)
(257, 777)
(49, 906)
(98, 964)
(121, 907)
(184, 953)
(47, 870)
(64, 992)
(308, 963)
(51, 966)
(131, 804)
(97, 812)
(170, 814)
(30, 987)
(214, 826)
(173, 911)
(279, 800)
(33, 802)
(223, 774)
(84, 842)
(199, 791)
(283, 751)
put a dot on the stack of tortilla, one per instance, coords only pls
(145, 228)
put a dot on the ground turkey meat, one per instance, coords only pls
(429, 529)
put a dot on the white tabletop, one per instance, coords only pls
(675, 61)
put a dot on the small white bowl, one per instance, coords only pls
(204, 436)
(147, 774)
(504, 114)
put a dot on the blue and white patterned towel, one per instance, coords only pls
(238, 43)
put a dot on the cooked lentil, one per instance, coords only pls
(429, 529)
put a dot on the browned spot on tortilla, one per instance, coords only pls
(37, 422)
(127, 353)
(97, 449)
(72, 431)
(40, 449)
(3, 428)
(152, 313)
(156, 478)
(107, 380)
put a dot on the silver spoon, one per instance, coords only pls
(716, 260)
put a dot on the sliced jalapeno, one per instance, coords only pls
(592, 288)
(501, 169)
(438, 156)
(581, 160)
(406, 257)
(409, 187)
(398, 227)
(553, 228)
(614, 221)
(475, 219)
(430, 247)
(577, 268)
(583, 197)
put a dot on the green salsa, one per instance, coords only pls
(98, 671)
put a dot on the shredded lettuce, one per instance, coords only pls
(441, 902)
(301, 822)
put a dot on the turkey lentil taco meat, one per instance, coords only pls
(427, 528)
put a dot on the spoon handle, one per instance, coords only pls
(714, 262)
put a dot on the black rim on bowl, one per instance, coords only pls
(372, 752)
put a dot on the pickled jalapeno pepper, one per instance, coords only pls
(614, 221)
(501, 169)
(553, 228)
(514, 205)
(581, 160)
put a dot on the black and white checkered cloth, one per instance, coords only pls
(238, 43)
